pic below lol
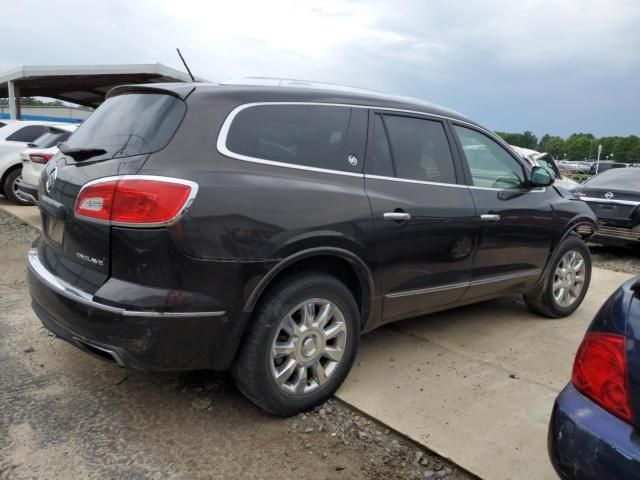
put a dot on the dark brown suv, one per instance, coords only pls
(263, 229)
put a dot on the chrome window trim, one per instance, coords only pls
(419, 182)
(606, 200)
(63, 288)
(221, 143)
(472, 283)
(157, 178)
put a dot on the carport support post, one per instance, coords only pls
(14, 101)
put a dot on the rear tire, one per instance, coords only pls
(567, 282)
(300, 344)
(10, 186)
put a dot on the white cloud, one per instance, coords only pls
(464, 53)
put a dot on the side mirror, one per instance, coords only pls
(540, 177)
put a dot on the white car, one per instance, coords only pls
(35, 158)
(15, 136)
(546, 161)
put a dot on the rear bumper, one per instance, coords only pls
(145, 340)
(587, 442)
(29, 191)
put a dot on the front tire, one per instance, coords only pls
(300, 345)
(567, 282)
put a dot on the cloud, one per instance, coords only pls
(535, 64)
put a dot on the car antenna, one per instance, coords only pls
(193, 79)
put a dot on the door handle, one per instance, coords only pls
(397, 216)
(489, 217)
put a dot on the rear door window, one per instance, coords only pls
(379, 162)
(130, 124)
(305, 135)
(27, 134)
(420, 149)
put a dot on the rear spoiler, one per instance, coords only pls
(178, 90)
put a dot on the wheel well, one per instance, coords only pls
(338, 267)
(7, 172)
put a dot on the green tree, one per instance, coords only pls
(556, 146)
(578, 147)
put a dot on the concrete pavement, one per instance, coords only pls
(475, 384)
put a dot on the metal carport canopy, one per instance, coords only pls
(84, 85)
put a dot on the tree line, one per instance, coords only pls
(579, 146)
(33, 102)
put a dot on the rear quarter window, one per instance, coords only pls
(305, 135)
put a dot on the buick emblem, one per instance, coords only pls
(608, 195)
(52, 179)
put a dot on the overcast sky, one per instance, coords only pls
(550, 66)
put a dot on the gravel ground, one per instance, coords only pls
(619, 259)
(64, 414)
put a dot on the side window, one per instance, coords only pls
(420, 149)
(26, 134)
(490, 164)
(379, 162)
(309, 135)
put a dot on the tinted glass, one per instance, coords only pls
(26, 134)
(51, 138)
(490, 164)
(309, 135)
(627, 179)
(132, 124)
(420, 149)
(380, 158)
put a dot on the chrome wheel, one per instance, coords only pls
(18, 194)
(568, 279)
(308, 346)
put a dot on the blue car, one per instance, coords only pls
(595, 425)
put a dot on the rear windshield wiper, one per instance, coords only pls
(80, 154)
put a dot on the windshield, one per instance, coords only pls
(51, 138)
(622, 179)
(131, 124)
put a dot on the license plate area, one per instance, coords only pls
(54, 230)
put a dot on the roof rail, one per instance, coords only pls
(290, 82)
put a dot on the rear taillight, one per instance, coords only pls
(600, 372)
(132, 200)
(40, 157)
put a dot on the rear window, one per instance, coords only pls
(131, 124)
(627, 179)
(309, 135)
(51, 138)
(27, 134)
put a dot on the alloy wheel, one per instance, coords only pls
(308, 346)
(568, 279)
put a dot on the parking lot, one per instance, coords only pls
(475, 385)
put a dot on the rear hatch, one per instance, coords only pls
(115, 140)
